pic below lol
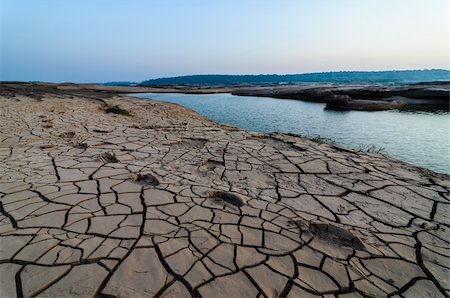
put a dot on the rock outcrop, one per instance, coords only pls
(423, 96)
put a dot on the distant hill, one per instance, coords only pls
(394, 76)
(119, 83)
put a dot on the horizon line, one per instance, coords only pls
(233, 74)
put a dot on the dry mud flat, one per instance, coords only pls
(166, 203)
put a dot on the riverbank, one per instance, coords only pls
(417, 137)
(164, 201)
(427, 96)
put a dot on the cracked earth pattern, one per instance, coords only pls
(167, 203)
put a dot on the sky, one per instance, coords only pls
(105, 40)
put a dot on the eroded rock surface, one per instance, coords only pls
(366, 97)
(166, 203)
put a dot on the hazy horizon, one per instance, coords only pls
(100, 41)
(221, 74)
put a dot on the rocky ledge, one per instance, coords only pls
(110, 196)
(372, 97)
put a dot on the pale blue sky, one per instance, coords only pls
(105, 40)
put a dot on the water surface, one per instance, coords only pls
(420, 138)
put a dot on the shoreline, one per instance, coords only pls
(417, 157)
(120, 91)
(152, 198)
(426, 96)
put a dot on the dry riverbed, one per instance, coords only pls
(152, 199)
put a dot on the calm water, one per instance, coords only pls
(420, 138)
